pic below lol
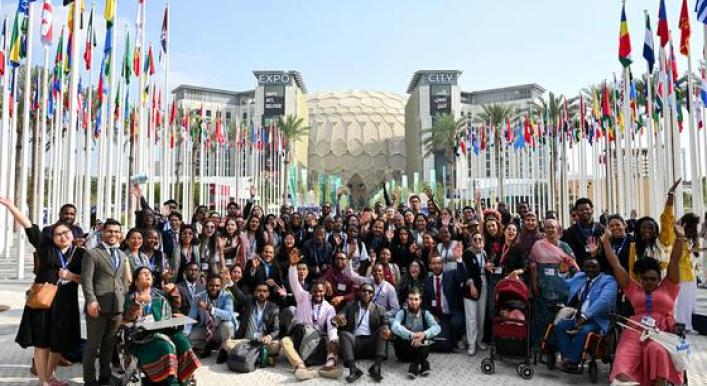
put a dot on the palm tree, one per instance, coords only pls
(292, 129)
(444, 134)
(496, 115)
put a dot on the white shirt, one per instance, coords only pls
(585, 305)
(362, 326)
(192, 288)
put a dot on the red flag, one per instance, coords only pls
(684, 26)
(663, 30)
(151, 61)
(483, 137)
(173, 113)
(526, 129)
(605, 104)
(509, 134)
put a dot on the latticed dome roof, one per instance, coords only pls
(356, 132)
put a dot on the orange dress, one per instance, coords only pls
(644, 362)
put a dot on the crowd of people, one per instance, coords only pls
(334, 287)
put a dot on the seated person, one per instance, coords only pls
(442, 297)
(653, 299)
(340, 288)
(213, 311)
(384, 294)
(313, 340)
(260, 321)
(414, 329)
(363, 329)
(190, 287)
(593, 293)
(164, 355)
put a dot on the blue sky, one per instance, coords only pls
(366, 44)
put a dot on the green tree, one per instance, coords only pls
(444, 134)
(496, 115)
(292, 129)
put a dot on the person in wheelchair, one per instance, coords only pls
(165, 356)
(593, 294)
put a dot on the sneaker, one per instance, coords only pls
(481, 346)
(471, 351)
(303, 373)
(354, 374)
(425, 368)
(413, 370)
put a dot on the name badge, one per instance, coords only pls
(498, 270)
(434, 303)
(549, 271)
(341, 287)
(586, 249)
(648, 321)
(204, 266)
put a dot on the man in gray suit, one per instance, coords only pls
(103, 279)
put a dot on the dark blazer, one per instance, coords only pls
(317, 256)
(271, 315)
(452, 285)
(102, 283)
(167, 242)
(252, 279)
(471, 263)
(187, 298)
(574, 237)
(377, 316)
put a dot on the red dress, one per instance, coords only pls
(644, 362)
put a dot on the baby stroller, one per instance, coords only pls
(510, 333)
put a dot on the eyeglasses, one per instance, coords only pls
(477, 239)
(62, 234)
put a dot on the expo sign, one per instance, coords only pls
(274, 78)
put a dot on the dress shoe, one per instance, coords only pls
(303, 373)
(413, 370)
(221, 357)
(425, 368)
(375, 372)
(354, 374)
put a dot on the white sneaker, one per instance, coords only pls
(461, 345)
(481, 346)
(471, 351)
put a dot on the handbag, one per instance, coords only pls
(41, 295)
(244, 357)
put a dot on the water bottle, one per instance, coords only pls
(264, 356)
(138, 179)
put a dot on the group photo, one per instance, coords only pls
(178, 206)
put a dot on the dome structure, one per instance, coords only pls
(357, 135)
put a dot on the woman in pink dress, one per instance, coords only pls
(647, 362)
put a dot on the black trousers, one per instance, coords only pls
(407, 353)
(361, 347)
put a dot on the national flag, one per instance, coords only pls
(109, 13)
(698, 112)
(483, 137)
(3, 40)
(684, 25)
(164, 37)
(136, 59)
(701, 9)
(648, 52)
(475, 145)
(35, 94)
(90, 42)
(663, 31)
(149, 62)
(16, 41)
(526, 128)
(624, 39)
(605, 103)
(46, 24)
(69, 50)
(703, 91)
(509, 133)
(462, 144)
(127, 60)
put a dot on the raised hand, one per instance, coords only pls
(294, 256)
(679, 231)
(675, 186)
(253, 190)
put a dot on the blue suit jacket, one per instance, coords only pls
(602, 297)
(452, 284)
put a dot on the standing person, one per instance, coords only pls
(57, 329)
(170, 237)
(687, 299)
(445, 248)
(363, 329)
(414, 278)
(384, 292)
(67, 216)
(156, 259)
(584, 232)
(186, 252)
(529, 232)
(475, 293)
(103, 280)
(703, 236)
(414, 329)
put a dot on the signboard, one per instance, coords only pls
(442, 78)
(274, 100)
(440, 99)
(276, 78)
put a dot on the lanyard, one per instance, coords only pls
(259, 314)
(378, 292)
(360, 320)
(584, 232)
(152, 263)
(649, 302)
(63, 259)
(621, 247)
(315, 314)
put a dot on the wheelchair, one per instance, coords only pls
(129, 372)
(597, 348)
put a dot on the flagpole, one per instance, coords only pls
(6, 138)
(12, 162)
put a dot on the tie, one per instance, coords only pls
(114, 257)
(209, 324)
(438, 296)
(584, 296)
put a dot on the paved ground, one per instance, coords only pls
(447, 369)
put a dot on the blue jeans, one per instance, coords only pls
(571, 346)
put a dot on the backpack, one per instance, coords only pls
(243, 358)
(423, 315)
